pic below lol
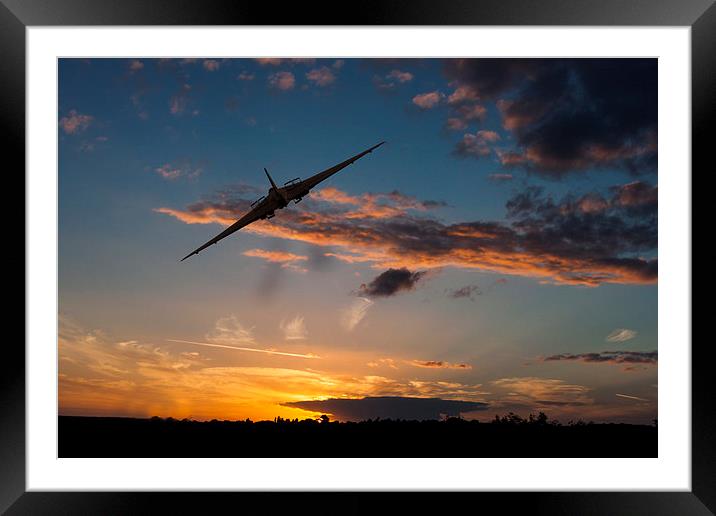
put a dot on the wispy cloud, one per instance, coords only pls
(621, 335)
(544, 391)
(228, 330)
(294, 329)
(285, 259)
(388, 362)
(500, 177)
(179, 102)
(354, 314)
(179, 170)
(631, 397)
(89, 146)
(237, 348)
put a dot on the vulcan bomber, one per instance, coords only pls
(278, 198)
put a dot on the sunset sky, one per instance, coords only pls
(501, 248)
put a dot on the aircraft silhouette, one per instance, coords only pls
(278, 198)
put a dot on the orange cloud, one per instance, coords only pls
(472, 112)
(543, 390)
(428, 100)
(538, 158)
(179, 170)
(282, 81)
(388, 236)
(275, 256)
(75, 122)
(456, 124)
(99, 376)
(211, 65)
(388, 362)
(321, 76)
(513, 119)
(463, 94)
(636, 193)
(371, 205)
(400, 76)
(287, 260)
(477, 144)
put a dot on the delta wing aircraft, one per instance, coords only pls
(278, 198)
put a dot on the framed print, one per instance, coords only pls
(443, 249)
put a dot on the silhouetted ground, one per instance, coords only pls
(127, 437)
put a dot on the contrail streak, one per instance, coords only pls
(268, 351)
(631, 397)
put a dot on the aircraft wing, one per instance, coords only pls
(255, 214)
(312, 181)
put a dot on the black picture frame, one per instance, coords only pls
(16, 15)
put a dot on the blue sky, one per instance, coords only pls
(552, 163)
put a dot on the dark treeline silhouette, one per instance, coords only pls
(506, 436)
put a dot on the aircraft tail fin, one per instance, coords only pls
(271, 180)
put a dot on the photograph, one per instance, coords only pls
(357, 257)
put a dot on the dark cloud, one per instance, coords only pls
(466, 292)
(430, 205)
(438, 364)
(488, 78)
(406, 202)
(388, 407)
(391, 282)
(589, 225)
(637, 198)
(550, 403)
(569, 114)
(500, 177)
(613, 357)
(581, 240)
